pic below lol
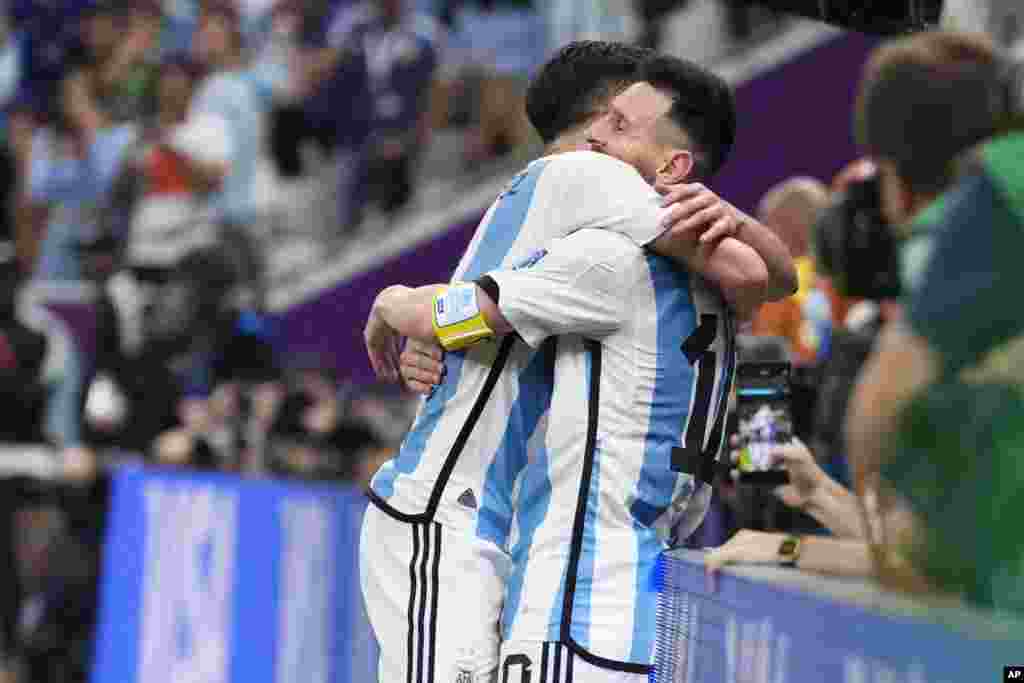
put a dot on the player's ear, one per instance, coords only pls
(676, 167)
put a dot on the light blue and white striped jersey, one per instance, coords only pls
(646, 374)
(460, 461)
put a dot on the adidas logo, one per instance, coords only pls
(467, 499)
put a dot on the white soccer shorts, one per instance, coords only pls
(434, 596)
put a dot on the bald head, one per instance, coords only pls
(790, 209)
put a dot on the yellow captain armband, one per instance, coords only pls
(458, 322)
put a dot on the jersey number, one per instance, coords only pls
(521, 661)
(697, 349)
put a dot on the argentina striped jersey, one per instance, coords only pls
(460, 462)
(649, 369)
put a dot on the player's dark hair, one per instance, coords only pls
(702, 107)
(577, 81)
(924, 100)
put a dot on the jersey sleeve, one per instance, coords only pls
(598, 191)
(579, 285)
(966, 302)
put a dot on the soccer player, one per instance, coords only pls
(442, 512)
(605, 474)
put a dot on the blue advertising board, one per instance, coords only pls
(780, 626)
(215, 579)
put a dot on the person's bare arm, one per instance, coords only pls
(841, 557)
(836, 508)
(901, 364)
(699, 214)
(734, 267)
(811, 490)
(401, 311)
(837, 556)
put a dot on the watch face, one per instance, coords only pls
(788, 547)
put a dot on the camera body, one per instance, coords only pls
(856, 245)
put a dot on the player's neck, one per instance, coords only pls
(568, 144)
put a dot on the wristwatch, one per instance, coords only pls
(789, 551)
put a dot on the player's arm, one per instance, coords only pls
(414, 311)
(453, 316)
(581, 285)
(734, 267)
(696, 211)
(598, 191)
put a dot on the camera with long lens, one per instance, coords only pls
(853, 242)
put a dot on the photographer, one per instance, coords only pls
(962, 96)
(959, 339)
(923, 102)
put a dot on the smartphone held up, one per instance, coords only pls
(765, 421)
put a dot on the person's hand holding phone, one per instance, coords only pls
(806, 478)
(810, 489)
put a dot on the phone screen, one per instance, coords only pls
(765, 420)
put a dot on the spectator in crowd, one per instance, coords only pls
(294, 122)
(56, 553)
(47, 36)
(114, 64)
(392, 52)
(130, 74)
(168, 220)
(401, 50)
(222, 139)
(10, 73)
(571, 20)
(334, 69)
(222, 134)
(790, 209)
(22, 351)
(959, 338)
(913, 489)
(652, 14)
(503, 43)
(813, 492)
(74, 163)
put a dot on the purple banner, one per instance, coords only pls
(792, 120)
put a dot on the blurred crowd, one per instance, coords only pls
(141, 144)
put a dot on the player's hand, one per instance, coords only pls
(383, 346)
(746, 546)
(422, 366)
(698, 213)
